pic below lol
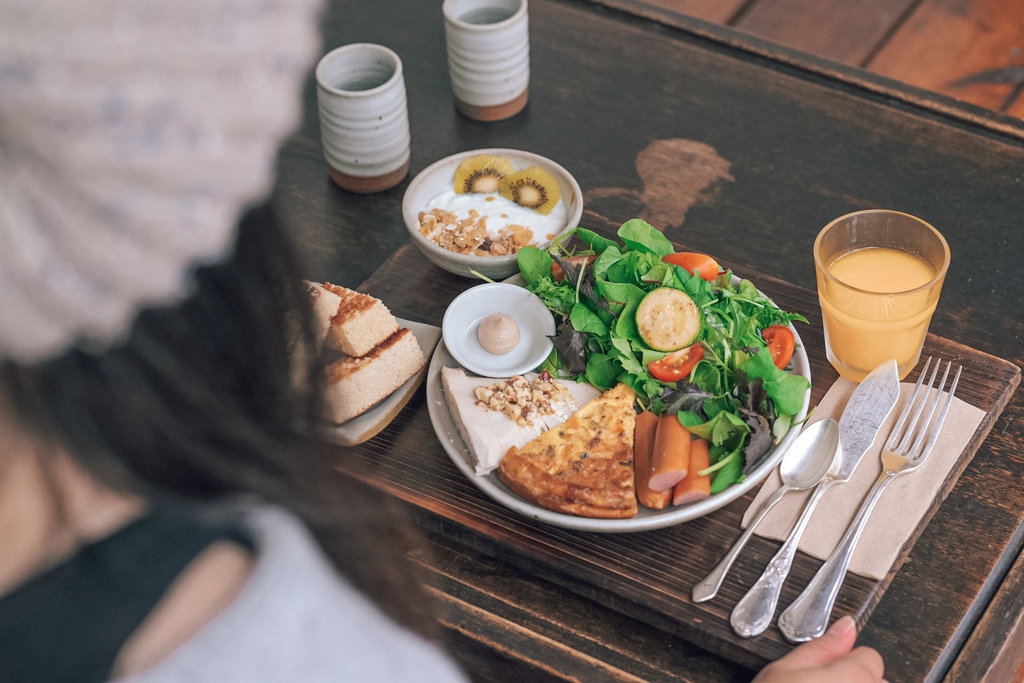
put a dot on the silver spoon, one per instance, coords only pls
(803, 466)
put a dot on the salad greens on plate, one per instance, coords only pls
(685, 337)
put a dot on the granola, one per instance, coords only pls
(469, 235)
(522, 400)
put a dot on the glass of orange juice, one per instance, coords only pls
(879, 277)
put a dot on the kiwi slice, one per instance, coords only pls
(482, 173)
(533, 188)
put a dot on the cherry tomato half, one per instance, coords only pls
(694, 263)
(781, 344)
(556, 270)
(676, 366)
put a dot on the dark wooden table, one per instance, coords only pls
(742, 149)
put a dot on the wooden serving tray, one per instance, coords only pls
(647, 575)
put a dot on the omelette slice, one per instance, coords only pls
(585, 465)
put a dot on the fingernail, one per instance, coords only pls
(842, 628)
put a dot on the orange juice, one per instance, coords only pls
(876, 305)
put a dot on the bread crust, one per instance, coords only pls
(354, 385)
(360, 323)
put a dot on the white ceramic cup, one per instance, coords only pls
(488, 56)
(364, 117)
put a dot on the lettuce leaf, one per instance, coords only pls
(785, 389)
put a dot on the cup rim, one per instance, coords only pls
(351, 47)
(466, 26)
(939, 275)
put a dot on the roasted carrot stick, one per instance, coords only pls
(694, 487)
(671, 456)
(643, 446)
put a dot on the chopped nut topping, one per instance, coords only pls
(522, 400)
(469, 235)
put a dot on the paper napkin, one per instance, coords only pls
(899, 510)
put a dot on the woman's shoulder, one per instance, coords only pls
(291, 616)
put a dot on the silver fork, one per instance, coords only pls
(907, 448)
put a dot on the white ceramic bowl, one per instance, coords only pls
(438, 178)
(463, 317)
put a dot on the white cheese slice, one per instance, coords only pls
(489, 433)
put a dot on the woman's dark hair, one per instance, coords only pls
(222, 395)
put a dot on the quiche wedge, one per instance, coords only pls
(585, 465)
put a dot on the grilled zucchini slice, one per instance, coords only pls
(668, 319)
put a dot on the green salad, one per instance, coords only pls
(687, 339)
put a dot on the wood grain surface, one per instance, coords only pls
(647, 576)
(765, 146)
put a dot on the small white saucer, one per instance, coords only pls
(467, 311)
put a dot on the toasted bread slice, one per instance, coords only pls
(584, 466)
(356, 384)
(360, 323)
(325, 307)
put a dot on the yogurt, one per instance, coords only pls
(502, 213)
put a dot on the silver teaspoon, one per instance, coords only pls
(803, 466)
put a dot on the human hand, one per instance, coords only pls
(828, 658)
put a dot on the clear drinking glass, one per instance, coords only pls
(879, 276)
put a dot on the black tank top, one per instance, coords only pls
(70, 622)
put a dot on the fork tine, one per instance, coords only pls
(898, 436)
(931, 409)
(945, 408)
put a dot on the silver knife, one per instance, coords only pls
(865, 412)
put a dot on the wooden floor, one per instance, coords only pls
(972, 50)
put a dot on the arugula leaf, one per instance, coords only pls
(620, 295)
(630, 267)
(585, 320)
(688, 419)
(639, 235)
(722, 428)
(730, 472)
(625, 326)
(786, 390)
(534, 264)
(661, 273)
(608, 258)
(603, 371)
(624, 352)
(597, 243)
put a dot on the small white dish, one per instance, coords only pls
(467, 311)
(368, 425)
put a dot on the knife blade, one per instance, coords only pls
(868, 407)
(865, 412)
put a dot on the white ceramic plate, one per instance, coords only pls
(366, 426)
(463, 317)
(646, 519)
